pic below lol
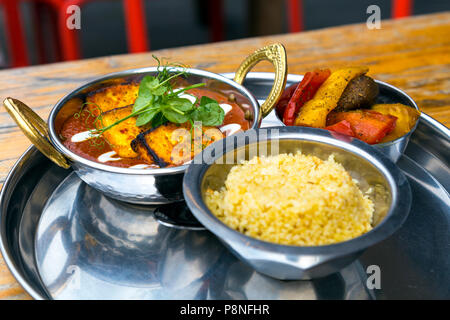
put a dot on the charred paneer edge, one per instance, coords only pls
(157, 144)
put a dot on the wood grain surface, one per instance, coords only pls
(412, 54)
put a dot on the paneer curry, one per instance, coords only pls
(153, 123)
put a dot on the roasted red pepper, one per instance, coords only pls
(342, 127)
(284, 99)
(305, 91)
(367, 125)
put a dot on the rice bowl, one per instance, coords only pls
(292, 199)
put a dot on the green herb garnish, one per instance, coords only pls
(158, 103)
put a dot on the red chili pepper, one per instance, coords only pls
(367, 125)
(305, 91)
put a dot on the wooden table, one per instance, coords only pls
(412, 54)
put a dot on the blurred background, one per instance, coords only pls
(35, 32)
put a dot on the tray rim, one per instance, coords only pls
(15, 171)
(10, 263)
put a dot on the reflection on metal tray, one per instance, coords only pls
(63, 240)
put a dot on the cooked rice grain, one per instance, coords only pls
(292, 199)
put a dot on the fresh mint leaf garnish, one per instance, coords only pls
(209, 112)
(158, 120)
(146, 117)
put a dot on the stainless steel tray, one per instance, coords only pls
(61, 239)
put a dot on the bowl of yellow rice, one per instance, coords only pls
(296, 203)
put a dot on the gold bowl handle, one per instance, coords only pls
(276, 54)
(35, 129)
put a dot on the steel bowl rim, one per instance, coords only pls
(74, 158)
(395, 217)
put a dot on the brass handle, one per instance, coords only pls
(276, 54)
(35, 129)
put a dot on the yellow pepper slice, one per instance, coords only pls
(406, 118)
(314, 112)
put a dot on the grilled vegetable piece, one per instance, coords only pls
(406, 118)
(342, 127)
(171, 144)
(304, 92)
(284, 99)
(121, 135)
(367, 125)
(361, 92)
(112, 97)
(314, 112)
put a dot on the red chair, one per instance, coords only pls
(14, 33)
(68, 39)
(295, 15)
(135, 26)
(401, 8)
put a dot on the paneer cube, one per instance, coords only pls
(171, 144)
(112, 97)
(121, 135)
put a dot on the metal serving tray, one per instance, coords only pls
(62, 239)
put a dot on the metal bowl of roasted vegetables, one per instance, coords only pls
(349, 102)
(131, 134)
